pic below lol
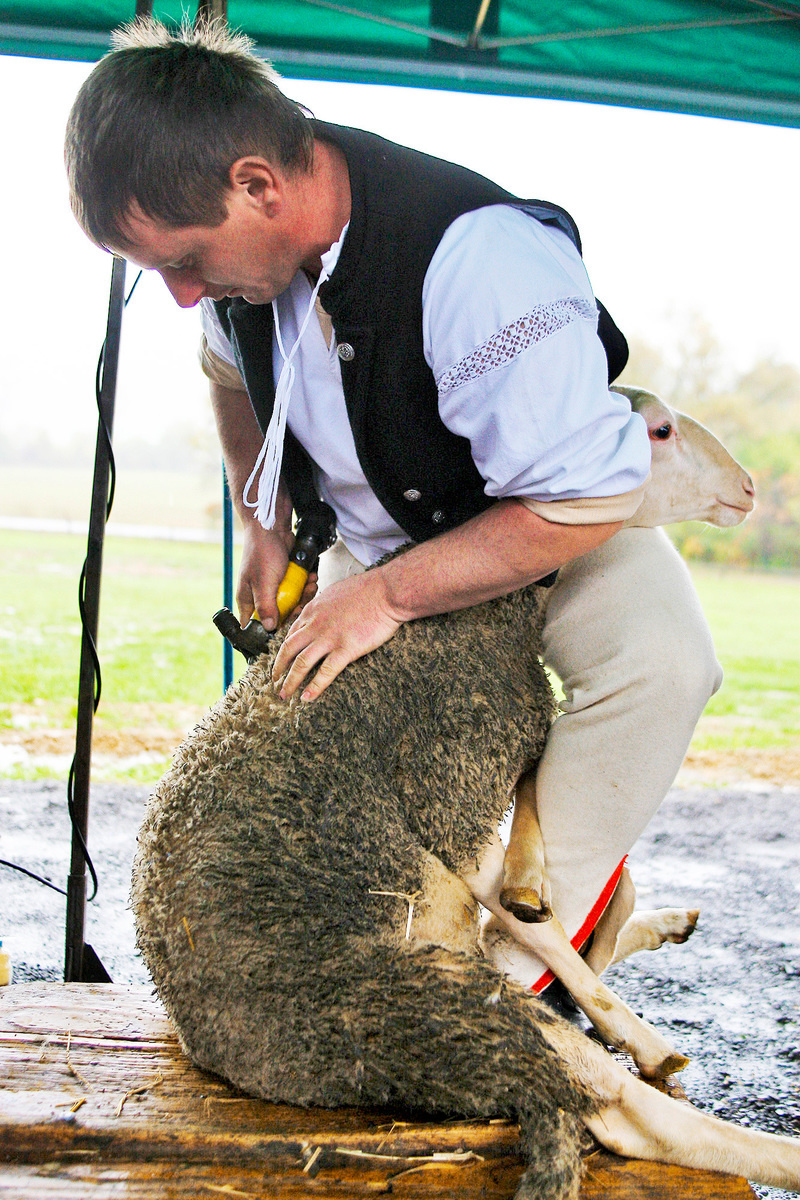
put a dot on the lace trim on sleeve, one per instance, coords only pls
(508, 343)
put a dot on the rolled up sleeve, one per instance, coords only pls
(510, 328)
(217, 358)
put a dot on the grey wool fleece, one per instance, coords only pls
(263, 849)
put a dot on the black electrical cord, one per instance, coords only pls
(38, 878)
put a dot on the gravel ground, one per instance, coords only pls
(729, 998)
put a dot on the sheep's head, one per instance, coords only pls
(693, 477)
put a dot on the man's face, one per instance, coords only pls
(250, 254)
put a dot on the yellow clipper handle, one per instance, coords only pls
(291, 589)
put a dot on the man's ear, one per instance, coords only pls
(257, 181)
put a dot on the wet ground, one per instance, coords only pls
(729, 998)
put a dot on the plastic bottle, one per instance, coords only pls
(5, 965)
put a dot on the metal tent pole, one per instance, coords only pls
(212, 10)
(81, 962)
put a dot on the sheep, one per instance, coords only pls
(693, 478)
(300, 901)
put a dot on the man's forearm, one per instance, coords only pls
(504, 548)
(241, 439)
(265, 551)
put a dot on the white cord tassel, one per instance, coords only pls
(271, 453)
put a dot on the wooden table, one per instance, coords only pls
(97, 1100)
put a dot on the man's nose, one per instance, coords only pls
(186, 290)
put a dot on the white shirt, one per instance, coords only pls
(509, 332)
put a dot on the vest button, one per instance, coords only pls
(346, 352)
(437, 517)
(412, 494)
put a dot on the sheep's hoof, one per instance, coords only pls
(670, 1065)
(526, 905)
(681, 935)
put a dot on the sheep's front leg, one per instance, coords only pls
(526, 890)
(621, 932)
(611, 1017)
(618, 912)
(649, 929)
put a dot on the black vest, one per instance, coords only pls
(402, 203)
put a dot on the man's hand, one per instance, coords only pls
(343, 623)
(266, 552)
(264, 559)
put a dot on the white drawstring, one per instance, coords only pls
(271, 453)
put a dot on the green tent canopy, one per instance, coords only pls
(738, 59)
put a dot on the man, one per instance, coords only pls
(424, 353)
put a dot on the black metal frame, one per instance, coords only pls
(81, 962)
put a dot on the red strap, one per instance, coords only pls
(588, 925)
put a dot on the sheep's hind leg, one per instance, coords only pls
(526, 890)
(638, 1121)
(611, 1017)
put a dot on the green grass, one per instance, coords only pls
(755, 619)
(156, 639)
(161, 656)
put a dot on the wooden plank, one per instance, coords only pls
(608, 1177)
(618, 1180)
(142, 1181)
(92, 1009)
(98, 1099)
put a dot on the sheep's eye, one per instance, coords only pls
(662, 433)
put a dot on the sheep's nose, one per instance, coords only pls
(749, 487)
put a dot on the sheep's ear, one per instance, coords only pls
(636, 395)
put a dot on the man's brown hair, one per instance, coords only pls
(161, 120)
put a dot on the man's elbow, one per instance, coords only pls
(552, 544)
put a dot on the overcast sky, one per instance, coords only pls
(678, 215)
